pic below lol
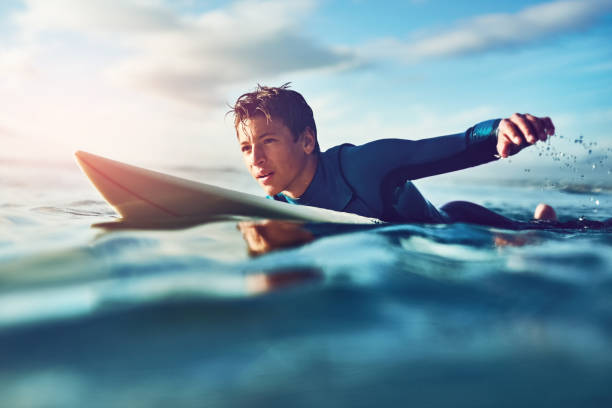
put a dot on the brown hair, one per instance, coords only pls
(276, 102)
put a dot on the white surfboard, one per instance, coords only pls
(146, 197)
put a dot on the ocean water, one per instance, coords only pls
(391, 315)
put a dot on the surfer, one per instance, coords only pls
(278, 140)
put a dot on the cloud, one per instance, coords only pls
(16, 63)
(200, 68)
(7, 132)
(192, 58)
(111, 16)
(496, 31)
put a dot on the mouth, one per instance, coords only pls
(264, 177)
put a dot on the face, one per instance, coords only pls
(274, 158)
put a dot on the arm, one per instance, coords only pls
(409, 160)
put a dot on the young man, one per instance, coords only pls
(278, 139)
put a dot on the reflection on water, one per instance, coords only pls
(258, 283)
(265, 236)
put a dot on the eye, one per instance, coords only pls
(269, 140)
(245, 148)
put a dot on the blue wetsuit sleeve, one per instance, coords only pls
(483, 132)
(401, 160)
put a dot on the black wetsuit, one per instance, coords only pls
(373, 179)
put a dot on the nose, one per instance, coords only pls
(259, 156)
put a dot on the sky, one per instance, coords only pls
(149, 81)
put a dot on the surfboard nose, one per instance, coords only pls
(88, 163)
(127, 188)
(99, 170)
(83, 158)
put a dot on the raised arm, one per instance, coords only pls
(409, 160)
(413, 159)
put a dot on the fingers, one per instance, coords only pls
(516, 132)
(503, 145)
(526, 127)
(538, 126)
(508, 136)
(511, 131)
(549, 126)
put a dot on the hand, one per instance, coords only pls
(268, 235)
(520, 131)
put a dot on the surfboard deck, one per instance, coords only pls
(145, 197)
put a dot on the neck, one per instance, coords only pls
(304, 179)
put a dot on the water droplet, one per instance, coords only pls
(593, 166)
(596, 202)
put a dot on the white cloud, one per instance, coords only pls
(110, 16)
(495, 31)
(59, 100)
(16, 64)
(6, 132)
(195, 59)
(191, 58)
(52, 59)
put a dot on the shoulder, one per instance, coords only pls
(375, 157)
(333, 152)
(331, 159)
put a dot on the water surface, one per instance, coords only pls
(452, 315)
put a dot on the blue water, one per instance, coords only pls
(455, 315)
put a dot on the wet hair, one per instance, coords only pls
(279, 103)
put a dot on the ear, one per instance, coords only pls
(308, 140)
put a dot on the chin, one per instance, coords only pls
(270, 190)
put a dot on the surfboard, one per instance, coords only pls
(148, 198)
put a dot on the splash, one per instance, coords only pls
(582, 167)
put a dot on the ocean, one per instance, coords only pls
(391, 315)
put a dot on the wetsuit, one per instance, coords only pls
(373, 179)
